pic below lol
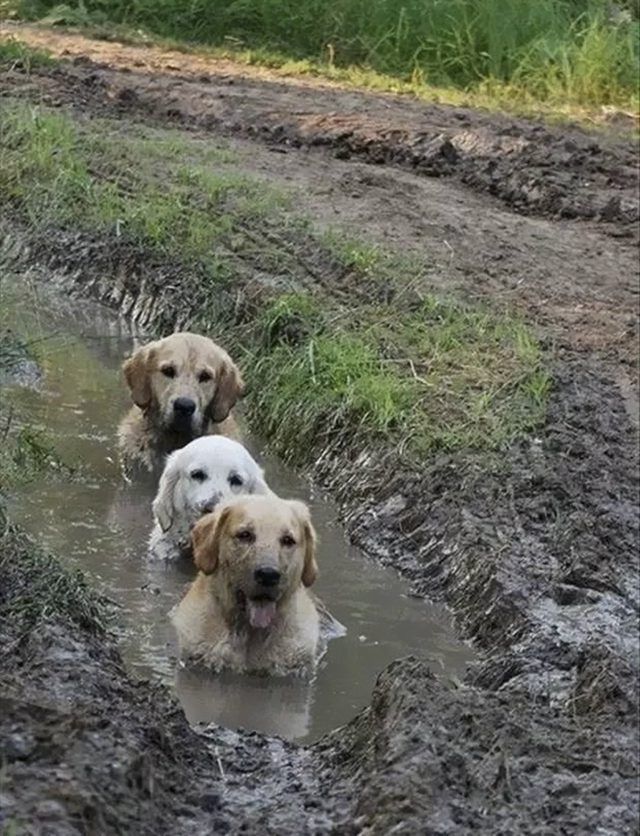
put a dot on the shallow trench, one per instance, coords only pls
(94, 521)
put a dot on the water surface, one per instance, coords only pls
(100, 524)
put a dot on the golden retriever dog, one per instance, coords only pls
(183, 386)
(249, 610)
(196, 479)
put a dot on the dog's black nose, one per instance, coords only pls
(210, 504)
(184, 407)
(266, 576)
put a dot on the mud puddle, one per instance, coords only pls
(98, 523)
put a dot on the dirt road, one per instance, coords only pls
(491, 199)
(536, 555)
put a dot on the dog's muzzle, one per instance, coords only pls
(209, 505)
(183, 414)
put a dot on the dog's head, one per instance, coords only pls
(202, 474)
(261, 548)
(183, 381)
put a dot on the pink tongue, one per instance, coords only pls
(261, 613)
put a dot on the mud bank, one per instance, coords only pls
(534, 550)
(530, 167)
(118, 756)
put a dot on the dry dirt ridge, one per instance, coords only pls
(535, 552)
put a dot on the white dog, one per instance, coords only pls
(195, 479)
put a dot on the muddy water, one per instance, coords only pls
(98, 523)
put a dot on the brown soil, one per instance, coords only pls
(535, 551)
(491, 213)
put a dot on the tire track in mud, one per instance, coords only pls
(530, 167)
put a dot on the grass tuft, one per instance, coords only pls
(35, 587)
(16, 55)
(443, 377)
(26, 451)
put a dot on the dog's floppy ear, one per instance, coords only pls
(205, 540)
(163, 506)
(136, 373)
(310, 567)
(229, 389)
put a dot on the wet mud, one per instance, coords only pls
(530, 167)
(534, 549)
(574, 272)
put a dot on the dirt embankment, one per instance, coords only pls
(534, 549)
(532, 168)
(495, 215)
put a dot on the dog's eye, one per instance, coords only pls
(245, 535)
(168, 371)
(203, 377)
(235, 481)
(287, 540)
(198, 475)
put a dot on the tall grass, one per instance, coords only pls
(583, 51)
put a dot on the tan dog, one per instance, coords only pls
(249, 610)
(183, 387)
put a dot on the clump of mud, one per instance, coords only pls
(422, 759)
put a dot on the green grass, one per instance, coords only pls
(442, 377)
(13, 348)
(14, 55)
(35, 587)
(362, 256)
(59, 173)
(344, 358)
(26, 451)
(583, 52)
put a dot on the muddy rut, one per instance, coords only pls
(536, 554)
(487, 197)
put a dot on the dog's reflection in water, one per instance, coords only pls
(271, 705)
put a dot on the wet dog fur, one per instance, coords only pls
(183, 386)
(249, 609)
(197, 478)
